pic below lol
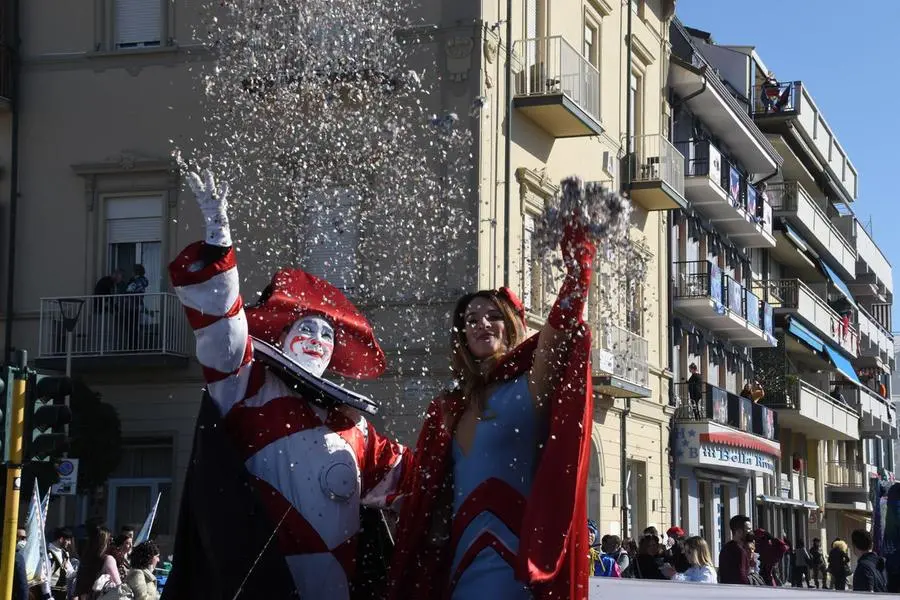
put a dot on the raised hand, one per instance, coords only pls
(213, 202)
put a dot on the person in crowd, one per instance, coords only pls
(734, 559)
(138, 283)
(110, 284)
(802, 562)
(870, 574)
(593, 552)
(20, 577)
(699, 559)
(62, 570)
(839, 564)
(611, 545)
(120, 549)
(479, 445)
(771, 550)
(95, 562)
(747, 391)
(127, 531)
(837, 395)
(602, 564)
(675, 554)
(140, 577)
(817, 567)
(650, 563)
(21, 538)
(758, 392)
(695, 390)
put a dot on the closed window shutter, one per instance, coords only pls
(138, 23)
(528, 262)
(133, 219)
(331, 248)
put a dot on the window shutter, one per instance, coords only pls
(333, 241)
(527, 262)
(138, 23)
(133, 219)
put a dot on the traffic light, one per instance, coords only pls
(46, 417)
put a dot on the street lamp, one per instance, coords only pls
(70, 309)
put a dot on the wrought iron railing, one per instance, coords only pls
(706, 402)
(118, 324)
(631, 353)
(698, 279)
(777, 97)
(846, 473)
(796, 295)
(553, 66)
(656, 159)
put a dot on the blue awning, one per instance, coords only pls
(838, 283)
(802, 333)
(795, 237)
(842, 364)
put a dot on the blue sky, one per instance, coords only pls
(846, 55)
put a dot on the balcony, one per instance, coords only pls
(850, 474)
(797, 299)
(875, 342)
(559, 90)
(722, 407)
(715, 300)
(657, 174)
(123, 330)
(791, 201)
(700, 87)
(718, 190)
(805, 409)
(874, 277)
(877, 413)
(621, 363)
(788, 108)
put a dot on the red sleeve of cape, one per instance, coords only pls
(553, 549)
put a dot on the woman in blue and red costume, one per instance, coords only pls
(496, 505)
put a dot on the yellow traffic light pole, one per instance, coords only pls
(15, 431)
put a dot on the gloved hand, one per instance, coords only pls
(578, 251)
(578, 254)
(213, 202)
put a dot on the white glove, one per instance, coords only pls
(214, 206)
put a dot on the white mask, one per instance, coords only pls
(20, 545)
(310, 342)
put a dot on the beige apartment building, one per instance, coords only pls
(105, 89)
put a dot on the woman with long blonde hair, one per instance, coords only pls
(696, 550)
(497, 505)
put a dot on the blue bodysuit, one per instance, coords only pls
(490, 486)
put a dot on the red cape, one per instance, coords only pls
(553, 546)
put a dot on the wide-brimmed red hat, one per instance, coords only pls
(294, 294)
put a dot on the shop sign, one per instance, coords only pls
(718, 455)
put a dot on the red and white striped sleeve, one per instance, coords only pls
(212, 300)
(386, 464)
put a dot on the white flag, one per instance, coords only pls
(144, 534)
(45, 505)
(37, 567)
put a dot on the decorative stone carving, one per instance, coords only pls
(459, 57)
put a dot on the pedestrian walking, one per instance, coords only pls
(839, 564)
(802, 562)
(817, 567)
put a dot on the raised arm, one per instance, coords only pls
(206, 281)
(565, 316)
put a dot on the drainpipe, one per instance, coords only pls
(507, 166)
(13, 49)
(624, 466)
(629, 172)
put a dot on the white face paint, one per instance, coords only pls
(310, 342)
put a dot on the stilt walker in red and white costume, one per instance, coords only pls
(308, 467)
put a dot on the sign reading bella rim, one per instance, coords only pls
(711, 445)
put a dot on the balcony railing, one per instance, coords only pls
(867, 251)
(630, 352)
(656, 159)
(846, 473)
(118, 325)
(710, 403)
(553, 66)
(703, 159)
(796, 296)
(874, 339)
(699, 279)
(790, 199)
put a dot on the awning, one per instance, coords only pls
(787, 502)
(795, 237)
(837, 282)
(802, 333)
(842, 364)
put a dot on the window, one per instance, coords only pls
(591, 49)
(528, 260)
(134, 228)
(138, 23)
(636, 102)
(332, 239)
(636, 486)
(144, 472)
